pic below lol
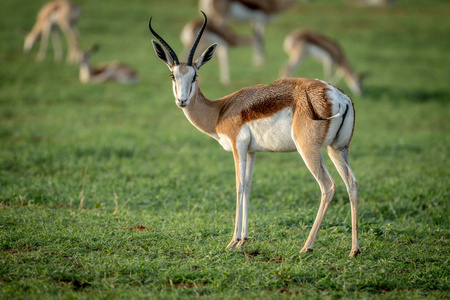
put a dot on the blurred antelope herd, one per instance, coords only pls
(61, 16)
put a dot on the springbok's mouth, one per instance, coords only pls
(182, 103)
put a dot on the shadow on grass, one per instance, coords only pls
(410, 94)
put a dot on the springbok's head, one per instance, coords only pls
(355, 82)
(85, 56)
(184, 74)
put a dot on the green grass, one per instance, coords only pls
(62, 142)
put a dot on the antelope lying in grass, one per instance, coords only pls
(295, 114)
(110, 71)
(62, 14)
(299, 44)
(213, 33)
(259, 12)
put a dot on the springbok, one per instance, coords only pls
(299, 44)
(259, 12)
(63, 14)
(295, 114)
(374, 2)
(214, 33)
(109, 71)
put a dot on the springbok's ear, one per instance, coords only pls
(206, 56)
(162, 54)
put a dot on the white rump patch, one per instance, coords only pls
(341, 102)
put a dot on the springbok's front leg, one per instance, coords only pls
(56, 42)
(240, 163)
(247, 187)
(244, 163)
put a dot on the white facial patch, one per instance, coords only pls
(183, 84)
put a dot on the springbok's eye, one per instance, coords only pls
(194, 78)
(173, 76)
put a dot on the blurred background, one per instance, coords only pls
(57, 132)
(107, 191)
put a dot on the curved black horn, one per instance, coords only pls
(191, 54)
(163, 42)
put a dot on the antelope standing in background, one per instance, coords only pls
(299, 44)
(288, 115)
(374, 2)
(213, 33)
(110, 71)
(259, 12)
(62, 14)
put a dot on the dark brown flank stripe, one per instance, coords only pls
(270, 99)
(330, 46)
(231, 112)
(267, 7)
(266, 108)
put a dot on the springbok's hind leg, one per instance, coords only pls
(57, 47)
(314, 160)
(44, 42)
(341, 161)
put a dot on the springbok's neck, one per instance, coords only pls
(203, 113)
(348, 71)
(85, 71)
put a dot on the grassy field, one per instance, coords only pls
(107, 191)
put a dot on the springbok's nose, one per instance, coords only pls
(182, 102)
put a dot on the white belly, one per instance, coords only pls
(319, 53)
(272, 134)
(240, 12)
